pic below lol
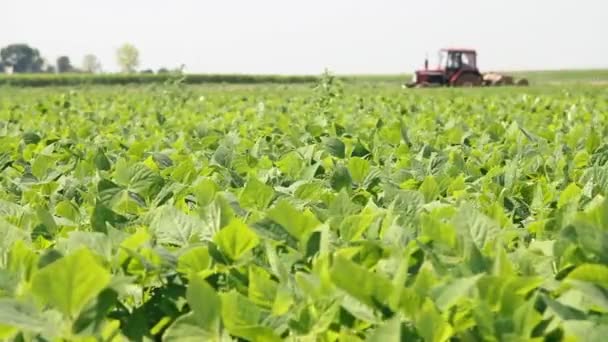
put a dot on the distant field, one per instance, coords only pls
(565, 76)
(42, 80)
(536, 77)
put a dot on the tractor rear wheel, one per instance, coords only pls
(468, 80)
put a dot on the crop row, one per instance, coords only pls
(327, 215)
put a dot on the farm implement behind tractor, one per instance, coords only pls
(458, 68)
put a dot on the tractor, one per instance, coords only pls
(458, 68)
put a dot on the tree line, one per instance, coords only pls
(22, 58)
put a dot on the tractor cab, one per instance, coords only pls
(455, 67)
(452, 60)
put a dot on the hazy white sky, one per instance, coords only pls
(300, 37)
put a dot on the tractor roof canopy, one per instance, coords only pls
(459, 50)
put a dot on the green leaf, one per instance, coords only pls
(9, 208)
(277, 265)
(283, 301)
(42, 165)
(451, 293)
(184, 172)
(576, 330)
(335, 147)
(390, 331)
(592, 273)
(526, 318)
(137, 178)
(291, 164)
(502, 264)
(10, 235)
(68, 210)
(101, 161)
(353, 226)
(236, 239)
(205, 191)
(359, 169)
(7, 333)
(474, 226)
(91, 320)
(585, 296)
(108, 191)
(431, 325)
(102, 216)
(242, 318)
(571, 194)
(256, 195)
(162, 160)
(364, 285)
(22, 260)
(21, 316)
(96, 242)
(47, 219)
(70, 282)
(31, 138)
(172, 226)
(205, 303)
(194, 260)
(186, 328)
(560, 311)
(223, 156)
(341, 179)
(262, 289)
(215, 216)
(311, 191)
(299, 224)
(433, 227)
(429, 188)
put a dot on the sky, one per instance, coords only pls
(306, 37)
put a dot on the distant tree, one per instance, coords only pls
(91, 64)
(22, 58)
(1, 67)
(64, 64)
(147, 71)
(47, 67)
(179, 70)
(128, 58)
(163, 71)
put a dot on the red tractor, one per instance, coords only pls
(458, 68)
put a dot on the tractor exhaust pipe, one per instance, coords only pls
(426, 62)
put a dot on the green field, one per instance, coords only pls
(44, 80)
(304, 212)
(599, 76)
